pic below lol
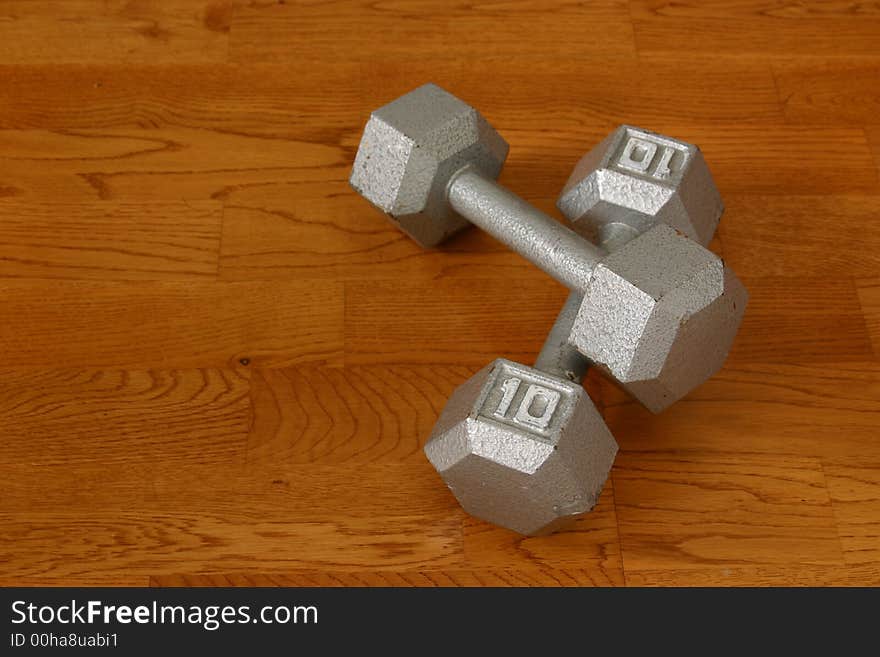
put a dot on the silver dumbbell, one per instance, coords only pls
(524, 447)
(623, 188)
(635, 179)
(670, 307)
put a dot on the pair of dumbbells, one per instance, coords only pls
(524, 447)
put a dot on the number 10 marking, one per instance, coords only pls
(536, 408)
(638, 155)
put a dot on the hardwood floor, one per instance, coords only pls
(218, 366)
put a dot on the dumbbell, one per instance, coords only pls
(524, 447)
(629, 183)
(635, 179)
(429, 161)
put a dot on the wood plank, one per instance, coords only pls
(869, 298)
(285, 32)
(218, 487)
(641, 92)
(291, 99)
(452, 323)
(110, 240)
(874, 141)
(170, 324)
(496, 577)
(167, 164)
(73, 418)
(91, 521)
(74, 548)
(144, 31)
(591, 542)
(87, 579)
(699, 510)
(854, 486)
(761, 29)
(800, 410)
(206, 182)
(31, 184)
(279, 101)
(801, 236)
(352, 415)
(797, 320)
(759, 576)
(830, 91)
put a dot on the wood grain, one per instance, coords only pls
(219, 365)
(681, 511)
(172, 164)
(874, 141)
(869, 297)
(168, 323)
(830, 91)
(442, 578)
(356, 415)
(92, 420)
(145, 31)
(296, 490)
(142, 520)
(817, 410)
(854, 485)
(397, 322)
(791, 319)
(129, 543)
(858, 576)
(110, 241)
(831, 232)
(755, 27)
(281, 32)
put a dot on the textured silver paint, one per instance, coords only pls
(429, 160)
(522, 448)
(638, 179)
(536, 236)
(659, 315)
(409, 150)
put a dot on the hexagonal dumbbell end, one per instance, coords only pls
(408, 152)
(660, 315)
(521, 448)
(635, 179)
